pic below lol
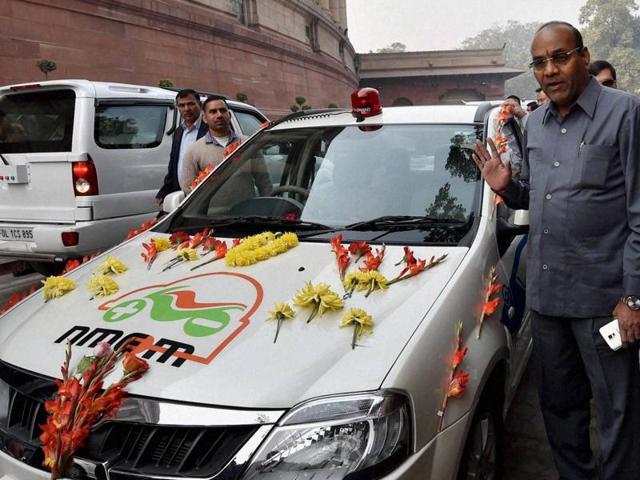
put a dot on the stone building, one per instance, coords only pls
(270, 50)
(436, 77)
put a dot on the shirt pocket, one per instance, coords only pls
(594, 161)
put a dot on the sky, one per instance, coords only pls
(443, 24)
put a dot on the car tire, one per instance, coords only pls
(47, 269)
(482, 457)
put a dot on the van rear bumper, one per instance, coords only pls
(47, 246)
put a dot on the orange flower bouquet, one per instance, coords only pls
(81, 401)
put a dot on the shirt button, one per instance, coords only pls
(556, 164)
(545, 231)
(545, 267)
(564, 130)
(548, 196)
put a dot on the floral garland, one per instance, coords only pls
(260, 247)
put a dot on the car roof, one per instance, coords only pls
(430, 114)
(90, 88)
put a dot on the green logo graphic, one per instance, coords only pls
(173, 304)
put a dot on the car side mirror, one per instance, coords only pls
(172, 201)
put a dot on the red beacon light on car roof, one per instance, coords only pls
(365, 103)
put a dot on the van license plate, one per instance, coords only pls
(16, 234)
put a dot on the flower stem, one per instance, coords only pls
(277, 330)
(204, 263)
(313, 313)
(355, 337)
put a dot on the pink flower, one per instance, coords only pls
(102, 349)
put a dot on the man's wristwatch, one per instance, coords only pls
(632, 301)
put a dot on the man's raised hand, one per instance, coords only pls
(496, 173)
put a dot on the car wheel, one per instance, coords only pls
(482, 457)
(47, 269)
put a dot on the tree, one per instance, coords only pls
(165, 83)
(612, 33)
(515, 38)
(395, 47)
(301, 104)
(242, 97)
(46, 66)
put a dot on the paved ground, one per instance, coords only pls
(527, 454)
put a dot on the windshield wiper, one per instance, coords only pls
(402, 222)
(249, 220)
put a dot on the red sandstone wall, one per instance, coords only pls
(429, 91)
(143, 41)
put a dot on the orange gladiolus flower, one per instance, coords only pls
(177, 238)
(232, 147)
(134, 364)
(359, 248)
(491, 306)
(457, 385)
(199, 237)
(202, 175)
(458, 357)
(151, 253)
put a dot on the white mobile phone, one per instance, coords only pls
(611, 334)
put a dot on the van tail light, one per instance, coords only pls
(70, 239)
(85, 179)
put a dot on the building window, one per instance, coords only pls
(312, 34)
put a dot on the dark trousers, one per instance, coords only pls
(574, 364)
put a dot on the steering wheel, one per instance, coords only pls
(290, 188)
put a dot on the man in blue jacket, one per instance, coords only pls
(191, 129)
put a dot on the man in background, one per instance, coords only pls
(541, 97)
(191, 129)
(604, 72)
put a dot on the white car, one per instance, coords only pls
(222, 399)
(81, 163)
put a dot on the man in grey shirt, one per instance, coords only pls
(580, 180)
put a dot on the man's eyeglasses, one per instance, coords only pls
(560, 58)
(216, 110)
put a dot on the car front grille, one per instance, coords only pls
(129, 450)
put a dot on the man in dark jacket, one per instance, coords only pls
(191, 129)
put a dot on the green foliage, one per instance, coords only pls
(165, 83)
(395, 47)
(516, 39)
(611, 31)
(46, 67)
(301, 104)
(445, 205)
(242, 97)
(333, 105)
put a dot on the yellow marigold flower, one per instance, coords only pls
(371, 280)
(161, 243)
(112, 266)
(350, 280)
(320, 297)
(290, 239)
(359, 318)
(102, 285)
(362, 323)
(54, 287)
(281, 311)
(187, 254)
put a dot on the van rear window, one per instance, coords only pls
(37, 121)
(130, 126)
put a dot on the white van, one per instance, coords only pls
(81, 162)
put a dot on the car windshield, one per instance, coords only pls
(386, 180)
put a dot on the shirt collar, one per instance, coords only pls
(195, 126)
(586, 101)
(208, 138)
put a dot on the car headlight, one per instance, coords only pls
(336, 438)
